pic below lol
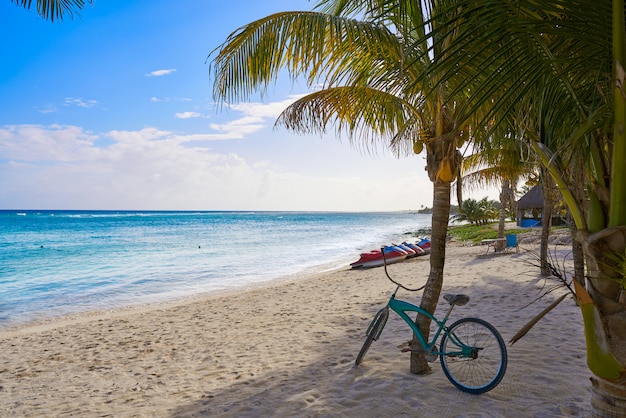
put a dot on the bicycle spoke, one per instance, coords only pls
(485, 367)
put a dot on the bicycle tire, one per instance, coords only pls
(373, 332)
(477, 374)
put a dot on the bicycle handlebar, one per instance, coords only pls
(382, 251)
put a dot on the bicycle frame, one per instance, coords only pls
(477, 340)
(401, 308)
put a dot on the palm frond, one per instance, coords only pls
(524, 330)
(366, 115)
(54, 9)
(324, 48)
(512, 51)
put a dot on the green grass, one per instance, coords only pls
(476, 233)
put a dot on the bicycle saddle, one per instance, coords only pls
(456, 299)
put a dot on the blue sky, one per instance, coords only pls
(114, 110)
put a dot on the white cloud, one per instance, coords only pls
(263, 110)
(65, 167)
(73, 101)
(35, 143)
(188, 115)
(160, 73)
(170, 99)
(255, 116)
(49, 108)
(239, 128)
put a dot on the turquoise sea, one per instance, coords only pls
(55, 263)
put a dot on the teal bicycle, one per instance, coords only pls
(472, 352)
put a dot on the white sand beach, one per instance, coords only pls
(288, 350)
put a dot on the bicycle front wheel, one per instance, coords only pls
(474, 356)
(373, 332)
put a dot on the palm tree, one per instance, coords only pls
(565, 64)
(500, 160)
(370, 57)
(477, 212)
(54, 9)
(470, 211)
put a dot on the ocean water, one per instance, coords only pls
(55, 263)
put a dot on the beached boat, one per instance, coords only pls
(374, 258)
(410, 252)
(418, 250)
(424, 244)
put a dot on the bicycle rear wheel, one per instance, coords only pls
(373, 332)
(474, 356)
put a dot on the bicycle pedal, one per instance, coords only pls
(405, 345)
(430, 357)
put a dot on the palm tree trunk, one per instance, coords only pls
(503, 205)
(578, 255)
(430, 297)
(605, 346)
(603, 305)
(546, 220)
(608, 400)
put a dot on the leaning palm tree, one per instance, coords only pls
(564, 62)
(54, 9)
(370, 58)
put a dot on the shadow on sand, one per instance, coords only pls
(318, 379)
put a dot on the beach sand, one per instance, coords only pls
(288, 350)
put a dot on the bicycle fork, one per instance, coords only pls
(378, 322)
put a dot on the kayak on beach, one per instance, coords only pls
(393, 254)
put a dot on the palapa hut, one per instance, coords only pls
(530, 208)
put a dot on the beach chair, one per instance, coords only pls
(511, 242)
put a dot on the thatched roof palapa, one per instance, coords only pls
(531, 200)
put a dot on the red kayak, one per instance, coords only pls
(418, 250)
(424, 244)
(374, 258)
